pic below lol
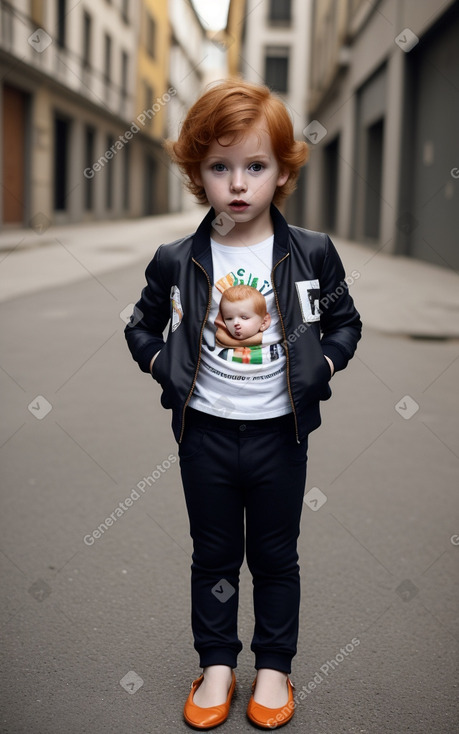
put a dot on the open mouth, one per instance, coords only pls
(238, 205)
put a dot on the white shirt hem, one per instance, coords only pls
(238, 415)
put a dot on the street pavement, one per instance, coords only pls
(95, 625)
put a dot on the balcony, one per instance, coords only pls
(35, 47)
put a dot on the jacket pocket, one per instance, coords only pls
(317, 373)
(325, 391)
(157, 372)
(162, 374)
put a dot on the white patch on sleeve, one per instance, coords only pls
(176, 305)
(309, 298)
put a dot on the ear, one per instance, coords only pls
(196, 178)
(195, 174)
(265, 323)
(283, 178)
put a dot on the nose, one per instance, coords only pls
(238, 181)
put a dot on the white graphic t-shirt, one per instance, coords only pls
(242, 382)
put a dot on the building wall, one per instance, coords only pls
(61, 80)
(151, 103)
(257, 37)
(153, 65)
(260, 36)
(235, 30)
(186, 77)
(429, 196)
(364, 89)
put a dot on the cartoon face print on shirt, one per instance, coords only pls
(242, 317)
(241, 321)
(243, 326)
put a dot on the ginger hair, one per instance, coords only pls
(229, 109)
(241, 293)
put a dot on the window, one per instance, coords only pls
(280, 12)
(107, 59)
(124, 74)
(151, 36)
(36, 12)
(90, 136)
(61, 16)
(6, 24)
(87, 28)
(148, 104)
(276, 68)
(126, 175)
(373, 174)
(109, 176)
(61, 160)
(330, 185)
(150, 172)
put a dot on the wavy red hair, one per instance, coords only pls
(229, 109)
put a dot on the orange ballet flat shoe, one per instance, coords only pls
(206, 718)
(268, 718)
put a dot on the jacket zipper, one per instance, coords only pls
(209, 303)
(289, 388)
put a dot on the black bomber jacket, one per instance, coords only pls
(307, 271)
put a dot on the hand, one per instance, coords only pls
(331, 365)
(152, 360)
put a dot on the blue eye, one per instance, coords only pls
(219, 167)
(256, 167)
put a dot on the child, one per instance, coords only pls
(238, 153)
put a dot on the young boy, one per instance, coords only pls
(238, 153)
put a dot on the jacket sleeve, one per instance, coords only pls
(340, 321)
(144, 332)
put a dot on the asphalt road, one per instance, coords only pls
(95, 626)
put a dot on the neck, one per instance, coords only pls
(244, 234)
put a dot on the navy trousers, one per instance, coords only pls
(237, 473)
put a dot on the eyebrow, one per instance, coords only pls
(255, 157)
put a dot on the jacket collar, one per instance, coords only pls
(201, 250)
(200, 247)
(281, 234)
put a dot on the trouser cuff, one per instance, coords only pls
(275, 661)
(218, 656)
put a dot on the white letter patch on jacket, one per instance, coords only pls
(176, 305)
(309, 297)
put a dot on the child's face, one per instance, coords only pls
(241, 319)
(241, 179)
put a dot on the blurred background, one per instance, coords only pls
(90, 89)
(95, 610)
